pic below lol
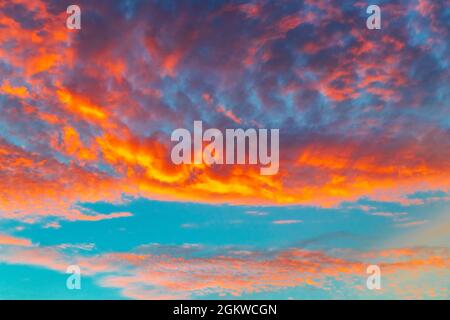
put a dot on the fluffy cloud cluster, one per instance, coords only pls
(87, 115)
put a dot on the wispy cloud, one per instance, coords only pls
(164, 276)
(286, 221)
(14, 241)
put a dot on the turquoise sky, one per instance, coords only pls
(166, 228)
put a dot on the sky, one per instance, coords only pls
(86, 176)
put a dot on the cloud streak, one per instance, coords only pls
(165, 274)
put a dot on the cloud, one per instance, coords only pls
(167, 274)
(91, 112)
(256, 213)
(78, 246)
(388, 214)
(53, 225)
(14, 241)
(286, 221)
(411, 223)
(87, 117)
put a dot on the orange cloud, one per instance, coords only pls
(13, 241)
(106, 126)
(81, 106)
(229, 114)
(20, 91)
(73, 146)
(41, 196)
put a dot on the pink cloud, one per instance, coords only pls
(14, 241)
(287, 221)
